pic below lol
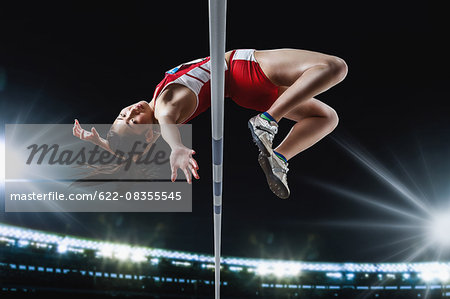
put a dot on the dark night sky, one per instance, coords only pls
(87, 60)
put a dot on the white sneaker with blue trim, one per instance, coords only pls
(263, 131)
(276, 171)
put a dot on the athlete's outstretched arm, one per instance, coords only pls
(181, 156)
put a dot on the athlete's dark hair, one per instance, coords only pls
(125, 166)
(124, 142)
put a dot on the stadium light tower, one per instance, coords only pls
(217, 22)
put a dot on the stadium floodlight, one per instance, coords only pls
(439, 229)
(106, 251)
(235, 269)
(263, 270)
(62, 248)
(278, 269)
(293, 269)
(23, 243)
(138, 255)
(350, 276)
(435, 272)
(281, 271)
(336, 275)
(122, 252)
(427, 276)
(184, 264)
(444, 276)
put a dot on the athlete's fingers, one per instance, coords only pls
(77, 124)
(94, 131)
(174, 174)
(193, 163)
(76, 128)
(194, 172)
(188, 175)
(80, 133)
(76, 132)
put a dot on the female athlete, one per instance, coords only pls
(279, 83)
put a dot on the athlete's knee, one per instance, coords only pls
(337, 67)
(332, 119)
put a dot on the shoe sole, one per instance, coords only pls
(275, 184)
(257, 141)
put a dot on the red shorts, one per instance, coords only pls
(245, 82)
(247, 85)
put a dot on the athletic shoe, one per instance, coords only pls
(275, 170)
(263, 132)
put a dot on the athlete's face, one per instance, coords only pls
(134, 116)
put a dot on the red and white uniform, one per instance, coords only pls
(245, 82)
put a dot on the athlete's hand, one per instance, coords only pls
(181, 157)
(81, 133)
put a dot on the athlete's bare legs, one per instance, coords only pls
(314, 120)
(301, 76)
